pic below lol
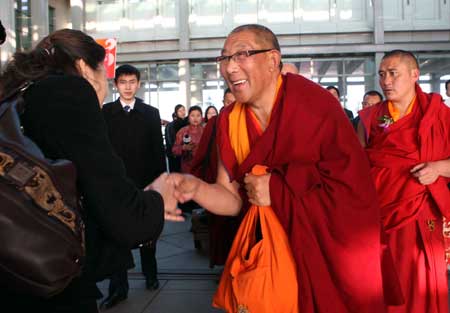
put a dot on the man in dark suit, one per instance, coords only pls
(336, 93)
(135, 132)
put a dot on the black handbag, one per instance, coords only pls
(41, 230)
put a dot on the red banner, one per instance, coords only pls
(110, 45)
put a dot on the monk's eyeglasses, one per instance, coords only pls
(240, 56)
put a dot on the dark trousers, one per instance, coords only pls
(119, 281)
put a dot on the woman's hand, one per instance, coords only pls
(164, 185)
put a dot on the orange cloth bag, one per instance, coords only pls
(260, 273)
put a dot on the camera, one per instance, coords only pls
(186, 139)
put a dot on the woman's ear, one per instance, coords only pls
(83, 68)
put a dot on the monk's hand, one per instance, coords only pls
(426, 173)
(186, 186)
(258, 190)
(165, 186)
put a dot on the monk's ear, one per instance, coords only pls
(275, 59)
(415, 73)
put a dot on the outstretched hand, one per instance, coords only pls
(165, 186)
(186, 186)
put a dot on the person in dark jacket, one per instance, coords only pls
(2, 33)
(62, 115)
(170, 133)
(135, 132)
(336, 93)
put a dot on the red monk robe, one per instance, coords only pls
(322, 194)
(222, 229)
(411, 212)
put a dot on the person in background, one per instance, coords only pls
(2, 33)
(135, 133)
(63, 117)
(209, 113)
(228, 98)
(221, 229)
(447, 91)
(319, 188)
(170, 133)
(407, 140)
(336, 93)
(289, 68)
(370, 98)
(188, 138)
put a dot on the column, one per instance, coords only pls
(76, 14)
(183, 27)
(39, 20)
(185, 81)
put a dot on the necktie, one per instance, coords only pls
(127, 109)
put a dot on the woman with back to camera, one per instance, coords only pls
(62, 115)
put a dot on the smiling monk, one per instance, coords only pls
(408, 143)
(317, 183)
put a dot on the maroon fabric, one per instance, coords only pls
(323, 195)
(411, 212)
(222, 229)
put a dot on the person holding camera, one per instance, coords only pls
(188, 138)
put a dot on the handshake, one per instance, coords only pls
(174, 188)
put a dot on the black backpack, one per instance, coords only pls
(41, 230)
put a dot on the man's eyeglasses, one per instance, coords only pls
(239, 56)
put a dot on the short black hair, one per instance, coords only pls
(402, 54)
(228, 90)
(195, 108)
(335, 89)
(447, 83)
(373, 93)
(127, 69)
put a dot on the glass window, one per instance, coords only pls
(23, 24)
(104, 15)
(315, 10)
(206, 12)
(352, 76)
(167, 72)
(51, 19)
(276, 11)
(434, 71)
(206, 85)
(245, 11)
(144, 14)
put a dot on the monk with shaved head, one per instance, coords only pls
(407, 140)
(317, 178)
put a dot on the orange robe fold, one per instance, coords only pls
(321, 192)
(411, 212)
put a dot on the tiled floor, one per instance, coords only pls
(187, 284)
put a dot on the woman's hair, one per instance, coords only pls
(211, 107)
(177, 107)
(56, 53)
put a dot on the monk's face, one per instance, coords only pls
(248, 76)
(397, 79)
